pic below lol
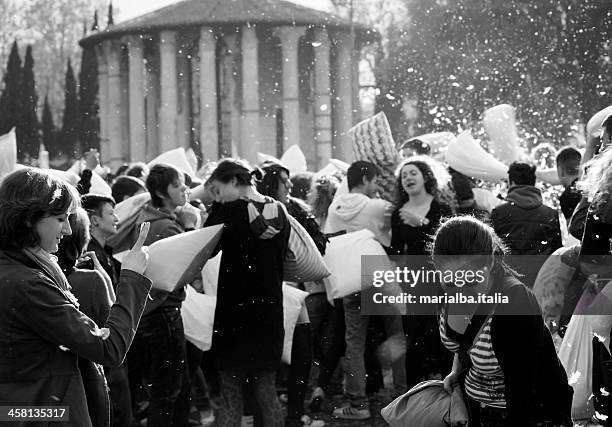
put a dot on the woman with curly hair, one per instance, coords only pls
(419, 207)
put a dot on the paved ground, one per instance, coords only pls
(376, 403)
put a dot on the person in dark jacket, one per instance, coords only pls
(514, 377)
(418, 209)
(568, 169)
(103, 224)
(96, 296)
(417, 215)
(248, 329)
(525, 224)
(159, 350)
(42, 330)
(277, 184)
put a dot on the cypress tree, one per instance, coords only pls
(70, 124)
(88, 99)
(94, 26)
(9, 100)
(49, 132)
(28, 127)
(110, 21)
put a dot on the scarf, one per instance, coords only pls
(49, 265)
(267, 223)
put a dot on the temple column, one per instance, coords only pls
(290, 38)
(137, 81)
(103, 101)
(115, 119)
(343, 106)
(209, 131)
(250, 94)
(168, 84)
(322, 98)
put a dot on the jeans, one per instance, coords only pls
(355, 336)
(158, 355)
(232, 404)
(327, 329)
(119, 392)
(485, 416)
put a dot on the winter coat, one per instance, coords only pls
(526, 224)
(42, 333)
(528, 227)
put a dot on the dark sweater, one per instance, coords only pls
(108, 263)
(248, 327)
(409, 240)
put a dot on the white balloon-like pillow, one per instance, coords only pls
(198, 313)
(343, 258)
(293, 301)
(177, 260)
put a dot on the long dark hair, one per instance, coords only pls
(268, 185)
(429, 178)
(228, 169)
(468, 236)
(71, 247)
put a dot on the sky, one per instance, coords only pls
(128, 9)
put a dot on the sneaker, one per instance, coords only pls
(316, 401)
(350, 412)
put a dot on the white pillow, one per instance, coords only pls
(177, 158)
(343, 258)
(131, 206)
(198, 313)
(210, 275)
(293, 301)
(177, 260)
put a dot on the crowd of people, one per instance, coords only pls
(81, 329)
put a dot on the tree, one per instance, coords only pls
(28, 127)
(69, 135)
(9, 100)
(53, 29)
(457, 58)
(88, 99)
(110, 20)
(49, 132)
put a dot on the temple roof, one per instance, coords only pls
(223, 12)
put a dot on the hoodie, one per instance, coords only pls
(163, 224)
(525, 196)
(528, 227)
(355, 211)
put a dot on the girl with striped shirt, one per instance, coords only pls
(514, 377)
